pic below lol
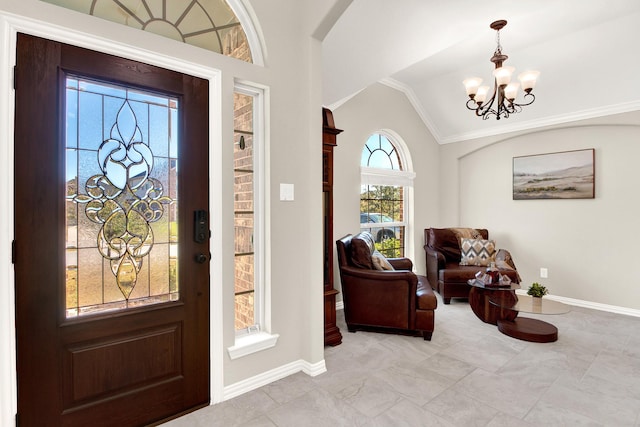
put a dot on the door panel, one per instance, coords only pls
(112, 309)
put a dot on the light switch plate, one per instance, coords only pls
(286, 192)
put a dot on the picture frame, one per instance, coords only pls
(560, 175)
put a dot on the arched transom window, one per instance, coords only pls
(383, 194)
(209, 24)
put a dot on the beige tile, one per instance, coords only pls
(594, 398)
(548, 414)
(469, 374)
(508, 396)
(316, 408)
(407, 414)
(415, 382)
(371, 396)
(460, 409)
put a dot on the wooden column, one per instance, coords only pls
(332, 335)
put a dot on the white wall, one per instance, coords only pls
(380, 107)
(291, 75)
(590, 245)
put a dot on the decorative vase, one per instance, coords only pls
(494, 273)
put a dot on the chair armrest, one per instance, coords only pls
(401, 263)
(435, 262)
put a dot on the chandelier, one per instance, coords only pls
(502, 101)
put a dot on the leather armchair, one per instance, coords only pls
(444, 271)
(396, 301)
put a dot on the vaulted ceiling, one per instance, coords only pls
(587, 52)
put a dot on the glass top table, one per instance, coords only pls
(479, 284)
(528, 304)
(500, 305)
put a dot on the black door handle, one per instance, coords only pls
(201, 258)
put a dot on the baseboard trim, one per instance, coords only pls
(244, 386)
(590, 304)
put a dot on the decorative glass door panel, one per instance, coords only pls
(122, 199)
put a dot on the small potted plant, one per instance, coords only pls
(536, 290)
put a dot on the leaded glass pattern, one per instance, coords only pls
(380, 153)
(209, 24)
(121, 201)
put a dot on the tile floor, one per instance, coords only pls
(468, 375)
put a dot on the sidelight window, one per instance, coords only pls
(247, 207)
(251, 283)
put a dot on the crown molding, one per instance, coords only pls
(415, 102)
(607, 110)
(593, 113)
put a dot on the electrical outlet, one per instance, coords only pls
(544, 273)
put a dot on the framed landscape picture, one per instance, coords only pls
(563, 175)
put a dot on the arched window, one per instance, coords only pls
(214, 25)
(385, 178)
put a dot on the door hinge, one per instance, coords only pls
(13, 252)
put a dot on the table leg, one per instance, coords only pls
(479, 300)
(507, 320)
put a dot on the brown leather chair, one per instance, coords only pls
(444, 271)
(383, 301)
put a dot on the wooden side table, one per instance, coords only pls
(500, 306)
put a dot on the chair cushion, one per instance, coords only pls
(477, 252)
(362, 247)
(454, 272)
(380, 262)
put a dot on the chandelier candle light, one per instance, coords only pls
(502, 102)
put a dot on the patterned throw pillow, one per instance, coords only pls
(477, 252)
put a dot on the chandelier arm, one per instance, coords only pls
(485, 109)
(524, 104)
(470, 104)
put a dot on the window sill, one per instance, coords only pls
(252, 343)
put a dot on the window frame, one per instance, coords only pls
(393, 177)
(253, 339)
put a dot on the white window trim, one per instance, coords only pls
(252, 340)
(252, 343)
(375, 176)
(251, 27)
(401, 178)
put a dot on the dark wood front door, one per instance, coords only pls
(111, 238)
